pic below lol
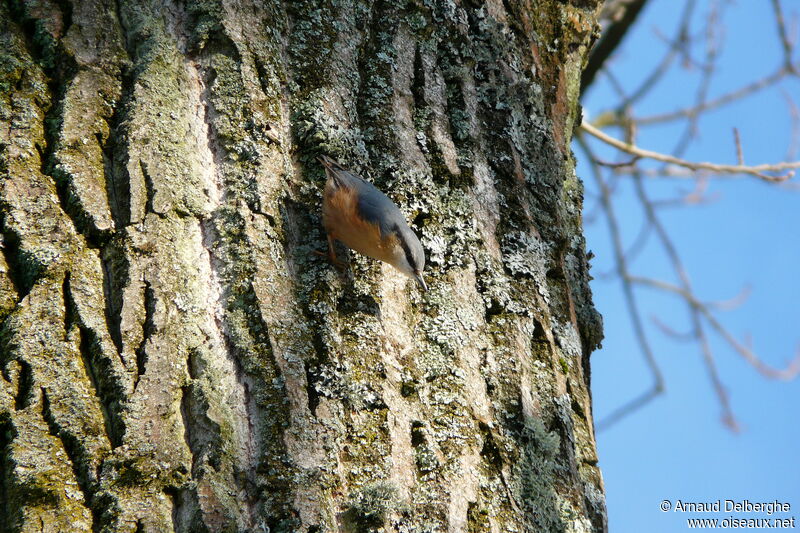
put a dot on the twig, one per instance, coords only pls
(732, 303)
(786, 43)
(615, 84)
(794, 115)
(680, 44)
(720, 101)
(789, 372)
(696, 196)
(629, 163)
(631, 253)
(689, 336)
(669, 171)
(657, 387)
(697, 325)
(738, 142)
(691, 199)
(702, 314)
(756, 170)
(712, 40)
(628, 408)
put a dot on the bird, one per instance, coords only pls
(357, 214)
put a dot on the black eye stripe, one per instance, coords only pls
(409, 255)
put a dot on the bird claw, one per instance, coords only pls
(330, 257)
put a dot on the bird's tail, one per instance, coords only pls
(333, 170)
(329, 162)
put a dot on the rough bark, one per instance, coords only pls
(175, 357)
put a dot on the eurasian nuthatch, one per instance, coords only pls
(357, 214)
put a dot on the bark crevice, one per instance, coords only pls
(77, 456)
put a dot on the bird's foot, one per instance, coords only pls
(330, 257)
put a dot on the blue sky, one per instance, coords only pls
(677, 447)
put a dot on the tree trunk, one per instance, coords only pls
(176, 357)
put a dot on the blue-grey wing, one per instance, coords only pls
(376, 208)
(373, 206)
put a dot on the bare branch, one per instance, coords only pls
(757, 170)
(679, 44)
(696, 196)
(697, 325)
(789, 372)
(786, 42)
(738, 142)
(722, 394)
(702, 315)
(630, 300)
(713, 40)
(631, 253)
(629, 408)
(689, 336)
(610, 40)
(669, 171)
(720, 101)
(629, 163)
(794, 115)
(732, 303)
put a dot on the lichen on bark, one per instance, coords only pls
(175, 358)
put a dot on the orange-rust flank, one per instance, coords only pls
(341, 221)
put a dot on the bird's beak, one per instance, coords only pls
(418, 277)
